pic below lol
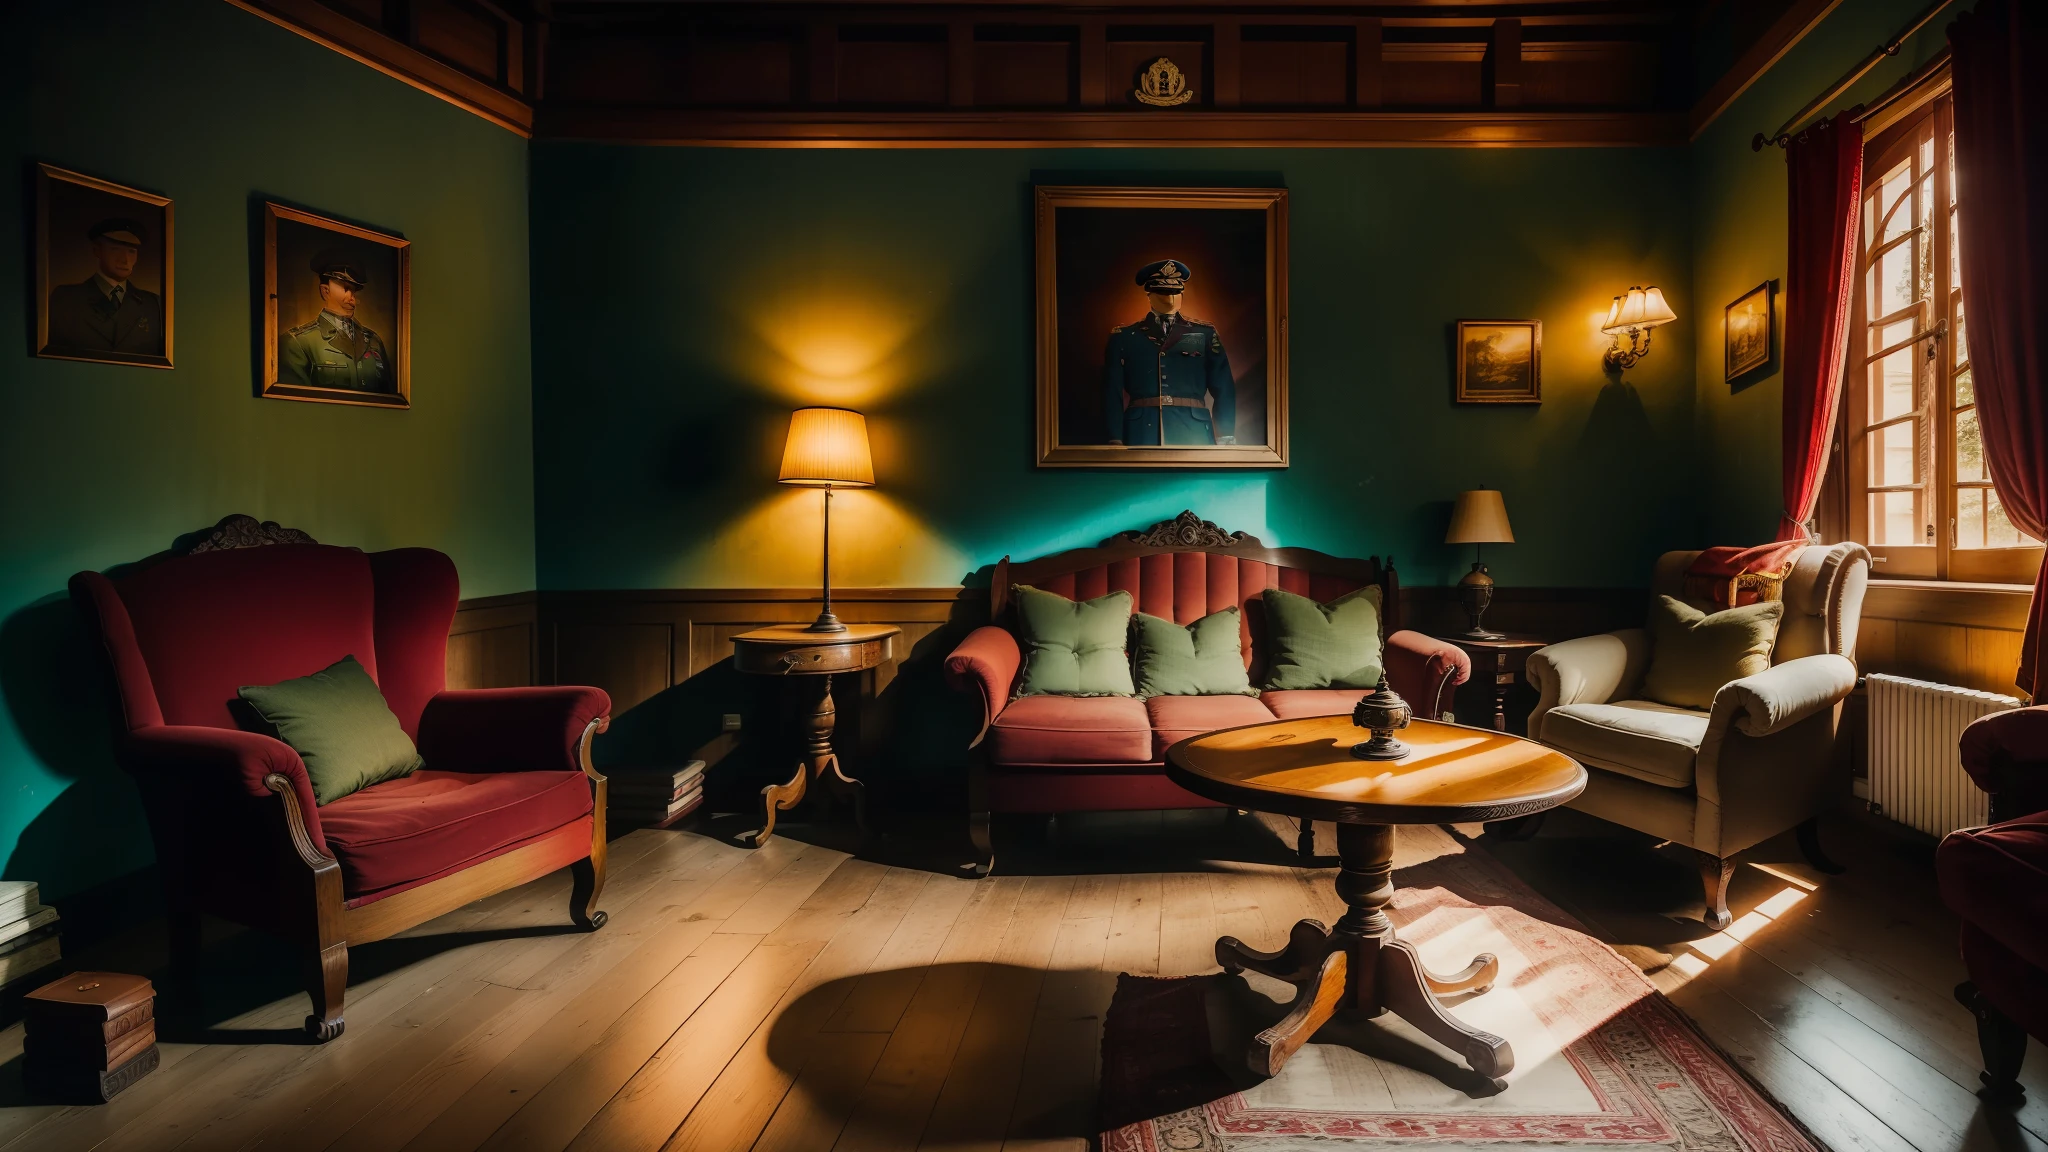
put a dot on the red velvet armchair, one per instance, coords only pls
(508, 793)
(1052, 754)
(1996, 879)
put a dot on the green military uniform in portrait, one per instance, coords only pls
(1165, 379)
(331, 352)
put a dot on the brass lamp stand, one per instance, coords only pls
(827, 448)
(1480, 517)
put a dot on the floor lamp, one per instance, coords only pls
(827, 448)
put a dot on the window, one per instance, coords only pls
(1917, 491)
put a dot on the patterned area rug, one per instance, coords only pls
(1601, 1058)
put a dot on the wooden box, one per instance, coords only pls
(89, 1035)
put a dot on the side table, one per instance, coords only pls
(812, 658)
(1501, 661)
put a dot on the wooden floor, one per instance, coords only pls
(796, 998)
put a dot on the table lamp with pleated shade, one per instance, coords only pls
(1480, 517)
(827, 448)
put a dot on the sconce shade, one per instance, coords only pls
(827, 448)
(1480, 517)
(1641, 308)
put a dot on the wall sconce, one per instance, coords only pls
(1633, 316)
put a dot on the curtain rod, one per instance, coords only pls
(1889, 48)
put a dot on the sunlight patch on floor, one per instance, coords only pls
(1704, 951)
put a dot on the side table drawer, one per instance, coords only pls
(809, 659)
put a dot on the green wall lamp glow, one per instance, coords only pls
(1633, 315)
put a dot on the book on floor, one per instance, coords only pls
(17, 899)
(39, 916)
(653, 813)
(30, 954)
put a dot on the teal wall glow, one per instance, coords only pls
(1738, 241)
(101, 464)
(686, 299)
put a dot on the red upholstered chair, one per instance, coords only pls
(1996, 879)
(508, 793)
(1052, 754)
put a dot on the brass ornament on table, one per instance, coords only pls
(1163, 85)
(1383, 713)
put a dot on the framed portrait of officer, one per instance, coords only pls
(337, 311)
(103, 271)
(1162, 327)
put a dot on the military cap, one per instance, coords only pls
(1167, 277)
(118, 229)
(340, 264)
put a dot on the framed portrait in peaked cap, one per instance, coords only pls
(1162, 327)
(103, 271)
(337, 311)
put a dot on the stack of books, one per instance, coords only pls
(653, 797)
(89, 1036)
(28, 932)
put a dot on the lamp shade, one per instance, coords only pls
(1640, 308)
(1480, 517)
(827, 448)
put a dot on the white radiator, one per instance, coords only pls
(1916, 775)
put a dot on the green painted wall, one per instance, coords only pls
(686, 299)
(1738, 241)
(101, 464)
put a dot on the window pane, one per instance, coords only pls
(1998, 531)
(1894, 458)
(1962, 337)
(1896, 184)
(1891, 387)
(1894, 283)
(1892, 520)
(1970, 517)
(1969, 447)
(1966, 392)
(1955, 249)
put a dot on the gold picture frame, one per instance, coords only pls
(307, 353)
(1090, 241)
(1747, 330)
(76, 317)
(1500, 362)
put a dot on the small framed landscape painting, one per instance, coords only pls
(337, 311)
(1162, 327)
(103, 271)
(1749, 331)
(1500, 362)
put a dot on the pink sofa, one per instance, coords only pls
(1051, 754)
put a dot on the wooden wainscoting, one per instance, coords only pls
(1962, 634)
(494, 642)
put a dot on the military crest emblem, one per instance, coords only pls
(1163, 85)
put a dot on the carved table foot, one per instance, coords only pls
(1360, 966)
(819, 763)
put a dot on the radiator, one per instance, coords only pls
(1916, 775)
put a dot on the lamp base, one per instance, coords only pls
(1480, 634)
(1382, 746)
(826, 622)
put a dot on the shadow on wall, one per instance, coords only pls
(908, 745)
(57, 696)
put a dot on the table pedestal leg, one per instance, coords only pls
(1359, 965)
(818, 762)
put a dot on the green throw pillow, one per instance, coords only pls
(1073, 649)
(1334, 645)
(1205, 658)
(1693, 654)
(338, 723)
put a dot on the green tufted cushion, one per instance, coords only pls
(1333, 645)
(1205, 658)
(338, 723)
(1693, 654)
(1073, 649)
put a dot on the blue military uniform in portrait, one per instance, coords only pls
(1165, 379)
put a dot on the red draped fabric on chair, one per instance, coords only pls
(2001, 102)
(1826, 185)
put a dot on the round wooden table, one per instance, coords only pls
(813, 657)
(1452, 774)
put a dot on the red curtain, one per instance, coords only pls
(2000, 61)
(1826, 182)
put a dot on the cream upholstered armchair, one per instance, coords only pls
(1761, 760)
